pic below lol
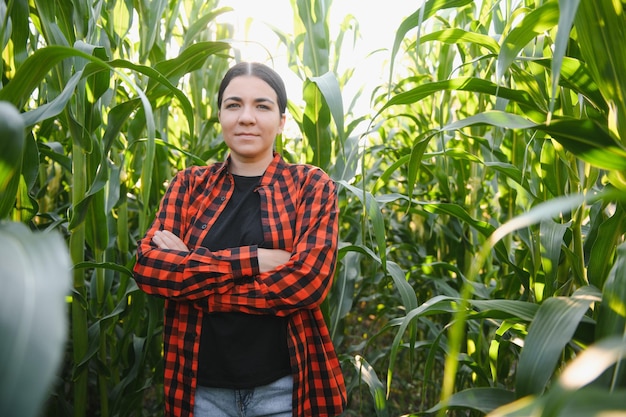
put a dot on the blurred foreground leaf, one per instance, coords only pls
(35, 276)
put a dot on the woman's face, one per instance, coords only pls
(250, 119)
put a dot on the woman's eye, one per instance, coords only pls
(232, 105)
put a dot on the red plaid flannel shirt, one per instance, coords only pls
(299, 214)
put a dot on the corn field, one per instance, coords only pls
(482, 262)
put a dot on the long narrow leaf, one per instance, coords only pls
(377, 389)
(479, 399)
(13, 146)
(416, 19)
(535, 23)
(599, 24)
(574, 74)
(375, 216)
(475, 85)
(36, 280)
(612, 312)
(551, 330)
(602, 253)
(583, 137)
(316, 124)
(329, 87)
(457, 35)
(567, 12)
(54, 107)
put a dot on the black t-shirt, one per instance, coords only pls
(239, 350)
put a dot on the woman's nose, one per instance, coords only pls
(247, 115)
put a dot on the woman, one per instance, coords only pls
(244, 251)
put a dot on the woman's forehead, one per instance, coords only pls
(246, 81)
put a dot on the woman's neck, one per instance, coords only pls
(249, 168)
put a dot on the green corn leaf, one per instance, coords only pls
(583, 137)
(586, 402)
(56, 21)
(534, 23)
(35, 68)
(551, 236)
(591, 363)
(35, 281)
(612, 312)
(483, 227)
(12, 147)
(341, 297)
(574, 394)
(158, 79)
(97, 230)
(314, 17)
(330, 89)
(575, 74)
(588, 141)
(459, 212)
(377, 389)
(415, 162)
(429, 9)
(567, 12)
(33, 71)
(511, 172)
(19, 34)
(552, 170)
(56, 106)
(603, 247)
(150, 15)
(551, 330)
(407, 293)
(316, 125)
(201, 23)
(591, 402)
(506, 309)
(120, 18)
(376, 218)
(388, 173)
(190, 59)
(600, 25)
(476, 85)
(437, 304)
(479, 399)
(457, 35)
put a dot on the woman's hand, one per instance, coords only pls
(270, 259)
(165, 239)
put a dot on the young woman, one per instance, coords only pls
(244, 251)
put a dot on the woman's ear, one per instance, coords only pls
(281, 126)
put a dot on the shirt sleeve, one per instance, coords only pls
(303, 282)
(187, 275)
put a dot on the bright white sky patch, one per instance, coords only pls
(378, 23)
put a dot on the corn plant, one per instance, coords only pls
(508, 160)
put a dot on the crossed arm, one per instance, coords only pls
(269, 259)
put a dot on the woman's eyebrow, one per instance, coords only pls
(256, 100)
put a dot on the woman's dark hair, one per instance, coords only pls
(258, 70)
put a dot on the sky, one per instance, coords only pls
(378, 24)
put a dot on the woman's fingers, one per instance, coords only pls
(165, 239)
(270, 259)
